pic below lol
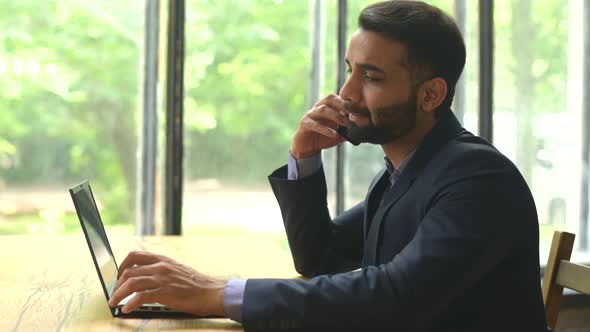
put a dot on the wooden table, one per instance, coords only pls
(49, 283)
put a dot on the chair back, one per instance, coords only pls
(560, 273)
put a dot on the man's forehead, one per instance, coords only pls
(371, 47)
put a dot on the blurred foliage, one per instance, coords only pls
(246, 81)
(70, 86)
(68, 94)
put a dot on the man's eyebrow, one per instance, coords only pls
(367, 66)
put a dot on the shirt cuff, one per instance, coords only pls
(304, 167)
(233, 297)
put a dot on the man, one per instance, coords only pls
(446, 239)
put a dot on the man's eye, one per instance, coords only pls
(372, 79)
(349, 71)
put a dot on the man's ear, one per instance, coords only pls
(432, 94)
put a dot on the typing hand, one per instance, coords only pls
(156, 278)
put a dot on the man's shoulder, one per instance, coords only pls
(471, 150)
(471, 156)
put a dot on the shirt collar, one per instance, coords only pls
(402, 165)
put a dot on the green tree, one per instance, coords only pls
(246, 78)
(69, 92)
(531, 66)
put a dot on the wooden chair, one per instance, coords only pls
(560, 273)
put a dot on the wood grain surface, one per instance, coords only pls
(49, 283)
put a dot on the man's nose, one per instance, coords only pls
(350, 91)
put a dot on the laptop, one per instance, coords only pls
(104, 260)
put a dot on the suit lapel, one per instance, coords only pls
(399, 189)
(373, 198)
(446, 129)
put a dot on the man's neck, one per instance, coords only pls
(398, 150)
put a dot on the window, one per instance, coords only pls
(537, 106)
(247, 85)
(69, 77)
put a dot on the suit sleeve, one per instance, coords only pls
(319, 245)
(470, 225)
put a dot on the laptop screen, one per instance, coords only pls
(96, 237)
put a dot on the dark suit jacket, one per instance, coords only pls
(455, 249)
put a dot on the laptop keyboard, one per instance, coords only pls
(154, 308)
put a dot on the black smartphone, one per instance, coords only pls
(343, 131)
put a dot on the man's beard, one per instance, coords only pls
(386, 124)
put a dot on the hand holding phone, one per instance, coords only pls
(343, 131)
(322, 127)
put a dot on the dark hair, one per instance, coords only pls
(433, 41)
